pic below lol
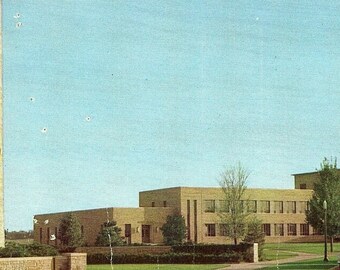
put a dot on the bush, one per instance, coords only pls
(23, 250)
(36, 249)
(168, 258)
(13, 250)
(211, 249)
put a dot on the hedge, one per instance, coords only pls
(211, 249)
(168, 258)
(26, 250)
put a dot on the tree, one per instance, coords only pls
(70, 232)
(174, 230)
(326, 189)
(255, 234)
(109, 235)
(233, 184)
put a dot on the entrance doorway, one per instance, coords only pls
(128, 233)
(146, 233)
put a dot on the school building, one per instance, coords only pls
(282, 212)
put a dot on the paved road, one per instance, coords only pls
(247, 266)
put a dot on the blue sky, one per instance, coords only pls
(103, 99)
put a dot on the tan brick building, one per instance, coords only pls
(282, 212)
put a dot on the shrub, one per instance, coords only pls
(36, 249)
(168, 258)
(23, 250)
(13, 250)
(109, 235)
(211, 249)
(174, 230)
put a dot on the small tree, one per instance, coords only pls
(255, 234)
(326, 189)
(233, 183)
(174, 230)
(109, 235)
(70, 233)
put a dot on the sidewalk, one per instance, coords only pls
(258, 265)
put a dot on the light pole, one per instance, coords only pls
(325, 259)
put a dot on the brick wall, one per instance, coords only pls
(68, 261)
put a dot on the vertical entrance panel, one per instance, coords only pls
(146, 229)
(128, 233)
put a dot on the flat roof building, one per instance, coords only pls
(282, 212)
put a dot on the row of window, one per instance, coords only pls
(252, 206)
(268, 229)
(153, 204)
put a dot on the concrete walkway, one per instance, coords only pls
(259, 265)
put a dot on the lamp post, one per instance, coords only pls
(325, 259)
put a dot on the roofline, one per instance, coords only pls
(186, 187)
(304, 173)
(310, 172)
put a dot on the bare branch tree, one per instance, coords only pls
(233, 183)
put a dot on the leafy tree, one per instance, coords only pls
(255, 234)
(109, 235)
(233, 184)
(326, 189)
(70, 233)
(174, 230)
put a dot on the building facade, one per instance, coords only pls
(282, 212)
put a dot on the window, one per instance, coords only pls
(304, 229)
(303, 186)
(266, 229)
(188, 221)
(291, 229)
(278, 229)
(278, 207)
(40, 235)
(56, 235)
(164, 203)
(252, 206)
(211, 229)
(316, 231)
(48, 235)
(223, 206)
(303, 207)
(209, 206)
(264, 207)
(82, 230)
(291, 207)
(223, 229)
(152, 204)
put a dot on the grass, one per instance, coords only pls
(314, 264)
(273, 254)
(156, 267)
(313, 248)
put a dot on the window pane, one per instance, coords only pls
(209, 206)
(266, 229)
(211, 229)
(291, 228)
(223, 206)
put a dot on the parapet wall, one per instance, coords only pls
(67, 261)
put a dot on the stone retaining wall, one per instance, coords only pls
(67, 261)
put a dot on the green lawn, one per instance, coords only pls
(156, 267)
(315, 264)
(273, 254)
(314, 248)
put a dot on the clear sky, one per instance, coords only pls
(103, 99)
